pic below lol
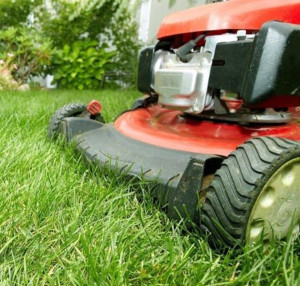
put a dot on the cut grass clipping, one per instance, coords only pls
(63, 223)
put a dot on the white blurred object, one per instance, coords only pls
(49, 79)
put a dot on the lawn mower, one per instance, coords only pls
(217, 128)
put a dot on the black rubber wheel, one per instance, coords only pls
(254, 189)
(69, 110)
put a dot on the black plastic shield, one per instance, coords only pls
(178, 175)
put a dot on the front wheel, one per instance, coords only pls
(69, 110)
(255, 194)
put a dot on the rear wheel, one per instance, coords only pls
(255, 194)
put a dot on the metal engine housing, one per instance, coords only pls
(184, 85)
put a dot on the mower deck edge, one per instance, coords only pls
(178, 174)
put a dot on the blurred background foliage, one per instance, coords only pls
(82, 43)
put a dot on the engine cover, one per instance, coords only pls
(184, 85)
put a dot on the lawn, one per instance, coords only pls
(62, 223)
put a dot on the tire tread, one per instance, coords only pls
(69, 110)
(237, 184)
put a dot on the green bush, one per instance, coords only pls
(13, 13)
(81, 65)
(127, 47)
(25, 49)
(74, 24)
(109, 22)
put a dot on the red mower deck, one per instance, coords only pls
(171, 129)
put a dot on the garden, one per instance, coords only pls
(84, 46)
(65, 223)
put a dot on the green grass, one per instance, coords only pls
(62, 223)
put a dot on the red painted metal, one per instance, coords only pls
(279, 101)
(231, 15)
(168, 129)
(94, 107)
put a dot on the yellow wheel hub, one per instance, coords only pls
(276, 212)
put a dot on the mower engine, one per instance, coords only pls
(224, 76)
(183, 84)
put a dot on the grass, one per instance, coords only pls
(62, 223)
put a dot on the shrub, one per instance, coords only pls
(26, 49)
(13, 13)
(108, 22)
(70, 24)
(81, 65)
(127, 47)
(6, 80)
